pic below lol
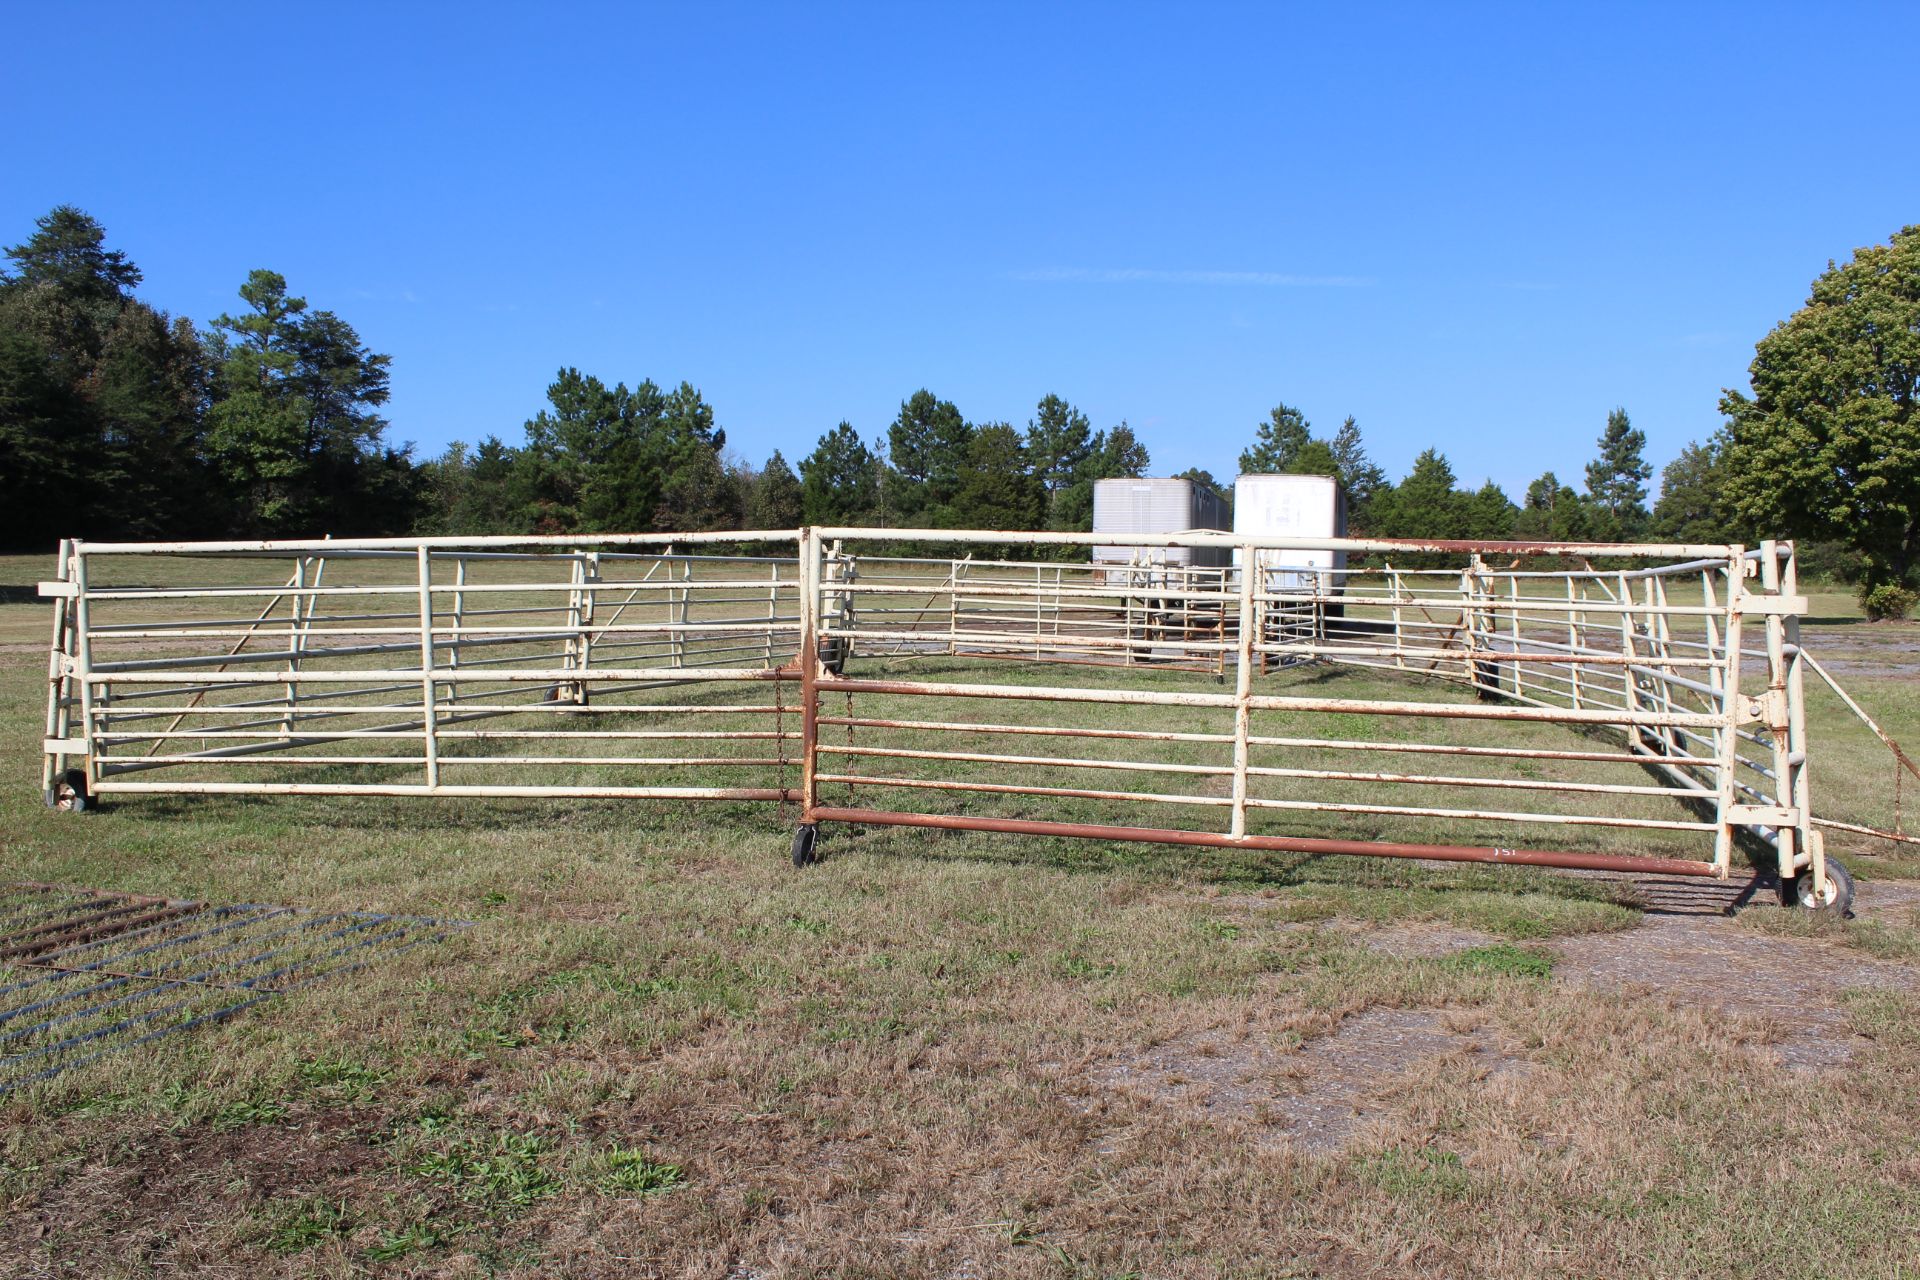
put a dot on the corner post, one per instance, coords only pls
(809, 673)
(83, 660)
(1726, 677)
(60, 655)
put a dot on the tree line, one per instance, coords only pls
(118, 419)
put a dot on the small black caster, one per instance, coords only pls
(68, 794)
(804, 838)
(1835, 904)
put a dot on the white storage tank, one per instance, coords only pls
(1158, 505)
(1270, 506)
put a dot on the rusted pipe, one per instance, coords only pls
(1274, 844)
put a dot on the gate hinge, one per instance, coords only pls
(59, 590)
(64, 746)
(1769, 708)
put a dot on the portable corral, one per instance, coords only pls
(831, 671)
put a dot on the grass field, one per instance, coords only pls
(659, 1050)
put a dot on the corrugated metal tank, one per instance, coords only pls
(1158, 505)
(1271, 506)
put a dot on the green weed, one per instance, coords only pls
(506, 1171)
(236, 1115)
(398, 1242)
(305, 1223)
(629, 1171)
(1504, 959)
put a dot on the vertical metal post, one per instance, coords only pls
(1394, 590)
(1629, 690)
(1039, 605)
(459, 610)
(83, 659)
(1470, 618)
(570, 645)
(1243, 693)
(1653, 684)
(590, 579)
(1780, 724)
(1573, 635)
(682, 611)
(1513, 633)
(59, 687)
(1799, 795)
(295, 642)
(773, 605)
(429, 695)
(809, 672)
(953, 606)
(1727, 734)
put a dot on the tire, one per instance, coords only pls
(1838, 904)
(69, 793)
(804, 838)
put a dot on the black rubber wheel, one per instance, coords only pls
(1838, 903)
(69, 793)
(804, 838)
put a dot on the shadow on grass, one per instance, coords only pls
(1230, 869)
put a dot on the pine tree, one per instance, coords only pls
(1277, 443)
(926, 446)
(1617, 479)
(838, 480)
(776, 501)
(1059, 441)
(1359, 475)
(998, 490)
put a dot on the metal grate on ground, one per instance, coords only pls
(86, 973)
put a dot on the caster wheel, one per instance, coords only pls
(69, 793)
(1838, 900)
(803, 845)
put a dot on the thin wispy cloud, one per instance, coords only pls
(1151, 275)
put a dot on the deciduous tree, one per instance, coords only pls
(1828, 443)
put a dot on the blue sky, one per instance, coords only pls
(1478, 228)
